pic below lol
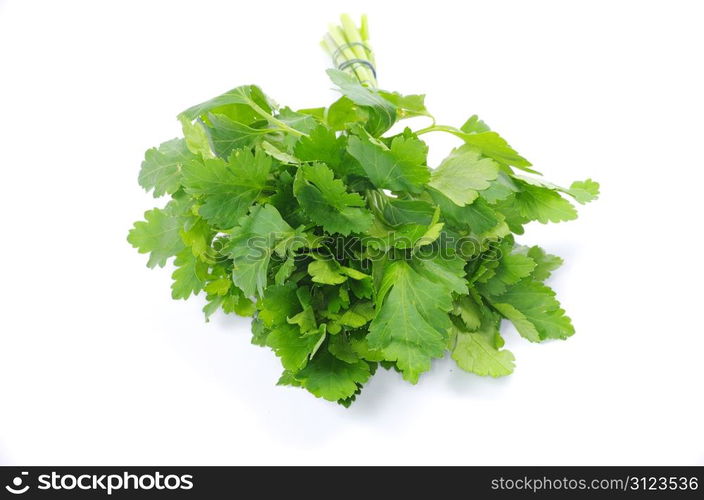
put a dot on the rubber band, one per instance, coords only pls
(344, 46)
(364, 62)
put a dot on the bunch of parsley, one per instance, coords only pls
(346, 248)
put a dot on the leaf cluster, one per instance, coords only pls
(348, 250)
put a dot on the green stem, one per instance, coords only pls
(353, 36)
(341, 45)
(364, 33)
(276, 121)
(349, 44)
(442, 128)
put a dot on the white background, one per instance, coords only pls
(99, 366)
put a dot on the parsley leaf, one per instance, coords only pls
(228, 188)
(159, 234)
(478, 350)
(532, 308)
(543, 204)
(328, 228)
(398, 168)
(462, 175)
(248, 95)
(331, 378)
(321, 145)
(227, 135)
(189, 277)
(382, 113)
(252, 245)
(161, 168)
(326, 200)
(412, 324)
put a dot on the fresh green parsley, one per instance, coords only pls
(348, 250)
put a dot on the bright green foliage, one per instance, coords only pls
(326, 200)
(400, 167)
(477, 344)
(189, 276)
(227, 188)
(412, 324)
(349, 250)
(492, 145)
(331, 378)
(159, 234)
(463, 174)
(161, 168)
(252, 244)
(583, 191)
